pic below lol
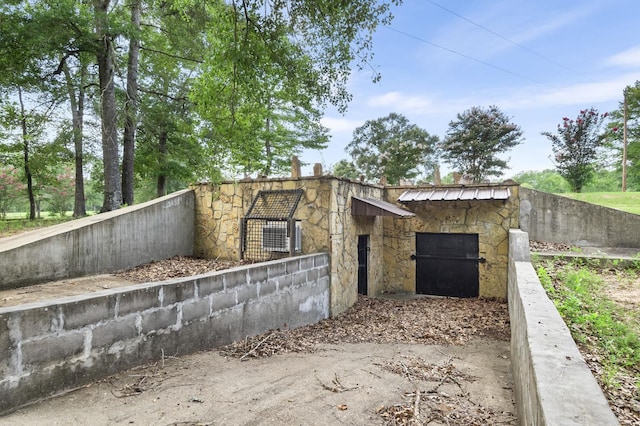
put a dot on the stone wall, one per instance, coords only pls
(52, 346)
(327, 226)
(490, 219)
(557, 219)
(324, 212)
(553, 384)
(103, 243)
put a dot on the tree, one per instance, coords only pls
(547, 180)
(10, 188)
(576, 146)
(392, 147)
(272, 68)
(131, 105)
(615, 134)
(346, 169)
(474, 141)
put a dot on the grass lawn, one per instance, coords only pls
(15, 223)
(625, 201)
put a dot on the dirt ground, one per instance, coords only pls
(356, 384)
(386, 361)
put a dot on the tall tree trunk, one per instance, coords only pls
(25, 152)
(77, 120)
(161, 187)
(110, 155)
(130, 108)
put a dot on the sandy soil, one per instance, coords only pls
(384, 361)
(357, 384)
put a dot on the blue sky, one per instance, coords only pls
(538, 61)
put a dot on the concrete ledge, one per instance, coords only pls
(49, 347)
(106, 242)
(553, 384)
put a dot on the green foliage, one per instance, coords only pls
(546, 180)
(59, 192)
(604, 180)
(11, 189)
(576, 147)
(578, 293)
(392, 147)
(271, 69)
(474, 141)
(615, 135)
(345, 169)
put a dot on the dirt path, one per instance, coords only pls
(359, 384)
(384, 361)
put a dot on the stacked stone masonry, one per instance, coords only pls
(328, 226)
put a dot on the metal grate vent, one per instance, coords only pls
(269, 230)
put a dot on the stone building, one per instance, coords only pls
(444, 240)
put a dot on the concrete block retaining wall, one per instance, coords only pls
(557, 219)
(49, 347)
(103, 243)
(553, 384)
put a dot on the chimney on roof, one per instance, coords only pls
(295, 167)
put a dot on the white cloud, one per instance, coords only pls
(628, 58)
(399, 101)
(340, 124)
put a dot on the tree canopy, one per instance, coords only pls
(615, 135)
(184, 89)
(475, 140)
(576, 145)
(394, 148)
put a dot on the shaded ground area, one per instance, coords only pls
(385, 361)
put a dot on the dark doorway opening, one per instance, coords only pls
(447, 264)
(363, 264)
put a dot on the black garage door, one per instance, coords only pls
(447, 264)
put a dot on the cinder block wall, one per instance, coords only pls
(103, 243)
(553, 384)
(557, 219)
(49, 347)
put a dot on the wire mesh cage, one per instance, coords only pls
(269, 230)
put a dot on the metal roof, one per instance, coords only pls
(373, 207)
(274, 204)
(454, 194)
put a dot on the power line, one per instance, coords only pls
(508, 40)
(455, 52)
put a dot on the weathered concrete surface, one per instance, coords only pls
(553, 384)
(106, 242)
(50, 346)
(557, 219)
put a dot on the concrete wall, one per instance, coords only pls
(553, 384)
(106, 242)
(557, 219)
(49, 347)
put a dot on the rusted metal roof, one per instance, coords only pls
(454, 194)
(373, 207)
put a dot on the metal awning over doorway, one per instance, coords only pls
(454, 194)
(373, 207)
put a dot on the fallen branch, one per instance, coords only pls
(257, 346)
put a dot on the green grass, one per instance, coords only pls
(626, 201)
(593, 319)
(18, 223)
